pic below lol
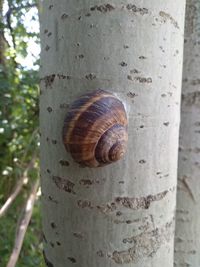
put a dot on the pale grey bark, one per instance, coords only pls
(187, 242)
(121, 214)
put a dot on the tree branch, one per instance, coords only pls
(8, 20)
(18, 187)
(23, 6)
(21, 231)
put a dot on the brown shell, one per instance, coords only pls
(95, 129)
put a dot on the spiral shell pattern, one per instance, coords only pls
(95, 129)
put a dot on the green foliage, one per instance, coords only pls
(19, 138)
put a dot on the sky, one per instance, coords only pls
(33, 48)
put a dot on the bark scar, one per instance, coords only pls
(167, 16)
(188, 189)
(145, 244)
(64, 184)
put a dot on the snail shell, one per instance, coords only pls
(95, 129)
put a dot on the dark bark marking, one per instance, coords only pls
(179, 240)
(64, 106)
(134, 71)
(61, 76)
(78, 235)
(145, 244)
(103, 8)
(54, 142)
(73, 260)
(190, 99)
(166, 123)
(133, 203)
(44, 237)
(142, 11)
(47, 47)
(64, 16)
(89, 182)
(195, 82)
(86, 182)
(84, 204)
(53, 200)
(81, 56)
(52, 244)
(140, 79)
(162, 49)
(50, 7)
(48, 80)
(64, 184)
(126, 46)
(64, 163)
(48, 263)
(167, 16)
(53, 225)
(163, 95)
(183, 220)
(49, 34)
(140, 202)
(142, 161)
(90, 76)
(142, 57)
(106, 58)
(131, 95)
(126, 221)
(109, 207)
(49, 109)
(197, 123)
(123, 64)
(182, 211)
(100, 253)
(123, 221)
(58, 243)
(143, 79)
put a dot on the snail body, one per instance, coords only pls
(95, 129)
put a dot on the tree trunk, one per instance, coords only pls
(187, 244)
(121, 214)
(2, 38)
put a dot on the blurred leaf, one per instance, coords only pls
(18, 129)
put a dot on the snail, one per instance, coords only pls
(95, 129)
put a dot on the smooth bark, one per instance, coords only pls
(187, 245)
(122, 214)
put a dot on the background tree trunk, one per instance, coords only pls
(2, 39)
(122, 214)
(187, 245)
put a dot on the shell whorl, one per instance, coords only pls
(95, 129)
